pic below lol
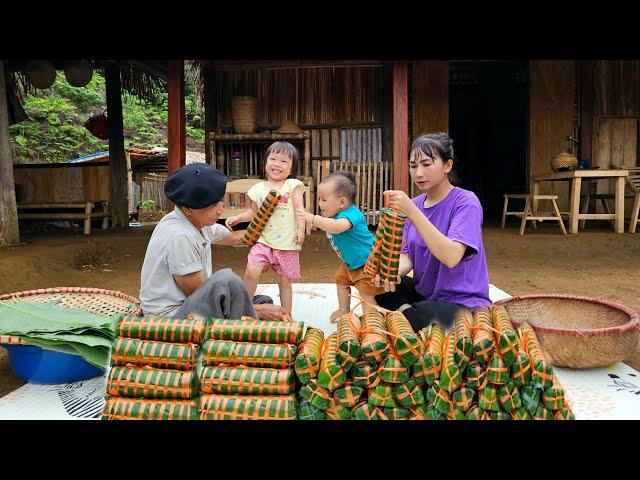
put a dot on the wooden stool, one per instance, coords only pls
(529, 215)
(507, 196)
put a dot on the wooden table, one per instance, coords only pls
(576, 177)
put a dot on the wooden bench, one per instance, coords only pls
(70, 211)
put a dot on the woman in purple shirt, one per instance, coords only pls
(442, 242)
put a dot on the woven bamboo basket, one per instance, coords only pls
(244, 114)
(578, 332)
(94, 300)
(563, 160)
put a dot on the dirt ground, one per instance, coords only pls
(595, 262)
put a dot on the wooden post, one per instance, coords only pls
(585, 69)
(400, 126)
(118, 165)
(210, 113)
(8, 211)
(176, 126)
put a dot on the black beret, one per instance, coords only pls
(197, 185)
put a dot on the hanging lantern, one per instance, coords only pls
(40, 73)
(78, 73)
(98, 125)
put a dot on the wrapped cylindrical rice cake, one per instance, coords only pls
(246, 380)
(248, 407)
(404, 340)
(348, 348)
(261, 218)
(162, 329)
(464, 345)
(506, 338)
(120, 408)
(374, 343)
(427, 369)
(309, 355)
(179, 356)
(136, 382)
(331, 375)
(483, 343)
(253, 331)
(391, 243)
(266, 355)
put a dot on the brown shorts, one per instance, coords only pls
(357, 278)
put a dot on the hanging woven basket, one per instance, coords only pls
(244, 114)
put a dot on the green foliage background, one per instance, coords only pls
(54, 131)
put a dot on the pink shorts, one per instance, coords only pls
(286, 263)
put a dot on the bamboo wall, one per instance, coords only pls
(60, 184)
(327, 95)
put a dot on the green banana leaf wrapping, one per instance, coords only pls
(564, 414)
(119, 408)
(498, 371)
(431, 393)
(488, 399)
(463, 398)
(450, 376)
(391, 243)
(530, 396)
(434, 414)
(464, 345)
(405, 341)
(426, 370)
(553, 397)
(397, 413)
(374, 343)
(331, 375)
(483, 344)
(474, 413)
(419, 412)
(162, 329)
(382, 396)
(364, 374)
(521, 369)
(253, 331)
(179, 356)
(443, 402)
(318, 397)
(309, 355)
(499, 415)
(348, 395)
(261, 218)
(393, 371)
(365, 411)
(246, 381)
(542, 413)
(336, 411)
(506, 337)
(255, 407)
(541, 370)
(348, 349)
(152, 383)
(457, 415)
(307, 411)
(266, 355)
(521, 414)
(409, 394)
(509, 397)
(372, 267)
(476, 375)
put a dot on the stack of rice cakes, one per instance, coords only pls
(153, 373)
(247, 370)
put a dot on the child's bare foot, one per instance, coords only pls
(335, 316)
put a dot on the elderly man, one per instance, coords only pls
(177, 274)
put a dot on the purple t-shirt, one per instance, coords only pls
(459, 217)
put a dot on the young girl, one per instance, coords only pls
(347, 230)
(280, 243)
(442, 241)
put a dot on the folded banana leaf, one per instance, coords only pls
(316, 395)
(463, 398)
(374, 343)
(365, 411)
(409, 394)
(509, 397)
(364, 374)
(393, 370)
(348, 349)
(336, 411)
(498, 371)
(382, 396)
(404, 340)
(488, 399)
(309, 355)
(307, 411)
(331, 375)
(348, 395)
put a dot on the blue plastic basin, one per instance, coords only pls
(36, 365)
